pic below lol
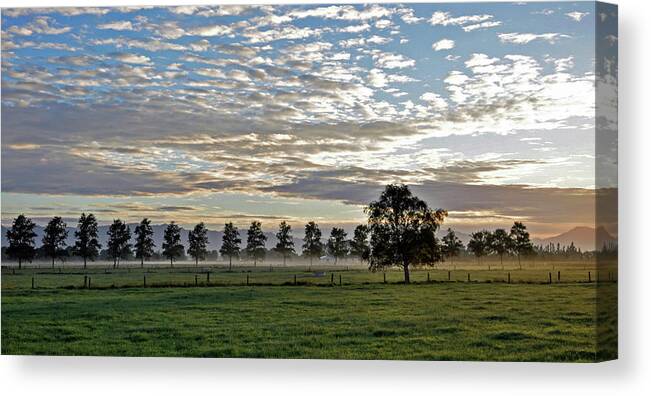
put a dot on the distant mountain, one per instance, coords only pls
(214, 237)
(585, 238)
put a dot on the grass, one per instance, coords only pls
(435, 321)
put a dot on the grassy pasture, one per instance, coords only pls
(486, 319)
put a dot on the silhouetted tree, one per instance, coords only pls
(172, 247)
(118, 242)
(521, 244)
(359, 245)
(500, 242)
(20, 238)
(54, 238)
(337, 245)
(400, 224)
(452, 245)
(255, 241)
(312, 245)
(144, 245)
(197, 243)
(230, 243)
(479, 244)
(285, 243)
(86, 245)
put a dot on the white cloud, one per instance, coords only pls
(482, 25)
(392, 61)
(209, 31)
(444, 44)
(525, 38)
(435, 101)
(117, 25)
(355, 28)
(133, 59)
(577, 15)
(564, 64)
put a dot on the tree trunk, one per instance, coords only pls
(142, 262)
(20, 263)
(406, 271)
(84, 262)
(284, 261)
(171, 261)
(502, 261)
(519, 263)
(230, 262)
(52, 262)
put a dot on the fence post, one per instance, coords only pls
(32, 281)
(332, 278)
(550, 278)
(385, 277)
(89, 282)
(449, 276)
(589, 277)
(339, 279)
(247, 279)
(559, 276)
(468, 276)
(144, 281)
(208, 277)
(509, 279)
(294, 279)
(196, 280)
(85, 280)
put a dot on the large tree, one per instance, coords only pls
(198, 242)
(500, 242)
(144, 245)
(86, 245)
(20, 238)
(255, 241)
(359, 246)
(230, 243)
(119, 236)
(479, 244)
(521, 244)
(400, 224)
(54, 238)
(337, 245)
(452, 245)
(285, 245)
(312, 245)
(172, 246)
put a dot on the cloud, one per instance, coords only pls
(577, 15)
(467, 22)
(525, 38)
(444, 44)
(387, 60)
(211, 30)
(40, 25)
(116, 25)
(133, 58)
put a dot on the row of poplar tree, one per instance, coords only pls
(401, 231)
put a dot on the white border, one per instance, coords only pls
(628, 375)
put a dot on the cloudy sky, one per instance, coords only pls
(301, 112)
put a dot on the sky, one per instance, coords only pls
(304, 112)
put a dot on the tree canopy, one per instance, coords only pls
(119, 245)
(230, 243)
(255, 241)
(86, 245)
(198, 242)
(20, 239)
(144, 245)
(54, 238)
(312, 245)
(337, 245)
(400, 224)
(172, 247)
(285, 245)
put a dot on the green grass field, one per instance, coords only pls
(363, 319)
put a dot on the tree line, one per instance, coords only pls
(401, 231)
